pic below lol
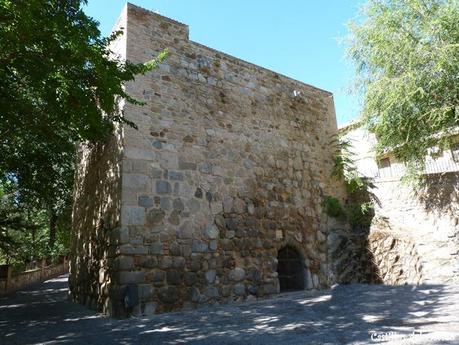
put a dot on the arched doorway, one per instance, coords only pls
(290, 269)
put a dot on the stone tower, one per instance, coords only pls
(216, 197)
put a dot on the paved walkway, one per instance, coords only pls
(349, 314)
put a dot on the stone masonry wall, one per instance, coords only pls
(96, 223)
(424, 218)
(429, 219)
(229, 164)
(381, 256)
(395, 258)
(96, 213)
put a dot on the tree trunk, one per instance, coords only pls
(52, 229)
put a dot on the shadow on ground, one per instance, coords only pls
(347, 314)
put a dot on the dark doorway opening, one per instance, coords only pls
(290, 269)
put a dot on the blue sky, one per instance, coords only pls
(298, 38)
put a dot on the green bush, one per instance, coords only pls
(333, 207)
(356, 214)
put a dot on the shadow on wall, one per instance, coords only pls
(95, 219)
(440, 193)
(395, 257)
(371, 252)
(346, 314)
(349, 249)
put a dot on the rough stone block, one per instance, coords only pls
(199, 246)
(210, 276)
(178, 204)
(131, 277)
(185, 231)
(163, 187)
(145, 201)
(227, 204)
(237, 274)
(183, 165)
(174, 218)
(212, 292)
(211, 232)
(132, 215)
(165, 203)
(175, 249)
(239, 289)
(157, 144)
(166, 262)
(129, 249)
(213, 245)
(190, 278)
(206, 168)
(238, 206)
(125, 263)
(173, 277)
(158, 276)
(156, 173)
(156, 248)
(137, 153)
(193, 294)
(155, 217)
(145, 291)
(270, 289)
(169, 294)
(149, 309)
(136, 182)
(175, 175)
(178, 262)
(193, 205)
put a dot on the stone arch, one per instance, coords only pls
(290, 269)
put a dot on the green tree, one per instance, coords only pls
(59, 85)
(406, 54)
(23, 228)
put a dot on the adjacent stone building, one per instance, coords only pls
(216, 197)
(414, 237)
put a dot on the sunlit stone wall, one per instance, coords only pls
(229, 164)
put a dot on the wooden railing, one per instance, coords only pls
(11, 281)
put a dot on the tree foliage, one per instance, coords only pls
(358, 207)
(407, 57)
(344, 167)
(60, 84)
(24, 233)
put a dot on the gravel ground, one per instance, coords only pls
(347, 314)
